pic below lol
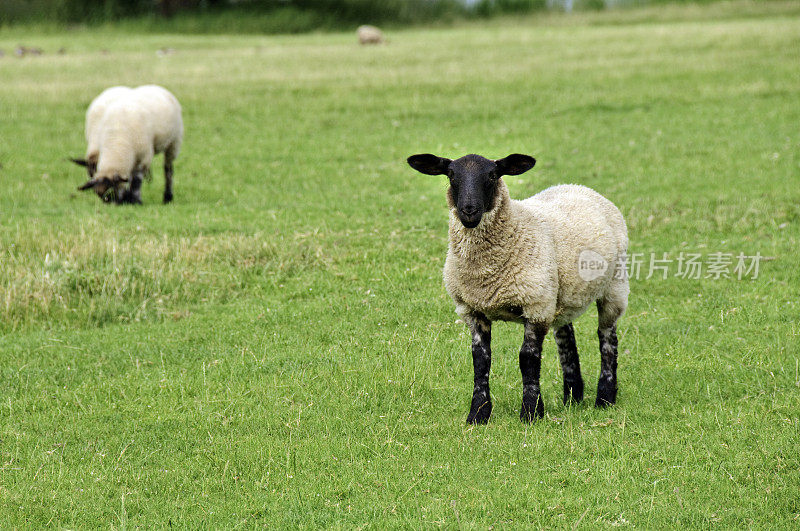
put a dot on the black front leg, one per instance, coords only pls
(481, 408)
(135, 192)
(530, 364)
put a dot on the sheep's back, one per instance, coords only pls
(163, 115)
(585, 225)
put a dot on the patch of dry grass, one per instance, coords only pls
(94, 278)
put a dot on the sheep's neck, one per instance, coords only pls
(117, 154)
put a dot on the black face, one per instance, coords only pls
(473, 180)
(107, 189)
(107, 194)
(473, 185)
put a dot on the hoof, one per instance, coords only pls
(128, 198)
(573, 392)
(532, 408)
(480, 410)
(167, 198)
(606, 394)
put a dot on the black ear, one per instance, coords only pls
(429, 164)
(88, 184)
(515, 164)
(79, 162)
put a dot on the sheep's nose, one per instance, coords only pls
(470, 216)
(469, 210)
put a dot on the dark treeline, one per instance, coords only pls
(336, 12)
(279, 16)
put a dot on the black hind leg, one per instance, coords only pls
(167, 179)
(570, 364)
(607, 384)
(607, 334)
(169, 156)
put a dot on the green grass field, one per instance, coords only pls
(276, 346)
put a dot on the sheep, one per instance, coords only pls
(369, 35)
(125, 128)
(539, 262)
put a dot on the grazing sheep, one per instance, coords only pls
(539, 262)
(369, 35)
(125, 128)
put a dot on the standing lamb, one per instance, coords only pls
(540, 262)
(125, 129)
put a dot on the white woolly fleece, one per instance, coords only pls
(95, 113)
(126, 127)
(523, 257)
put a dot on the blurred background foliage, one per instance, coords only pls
(280, 16)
